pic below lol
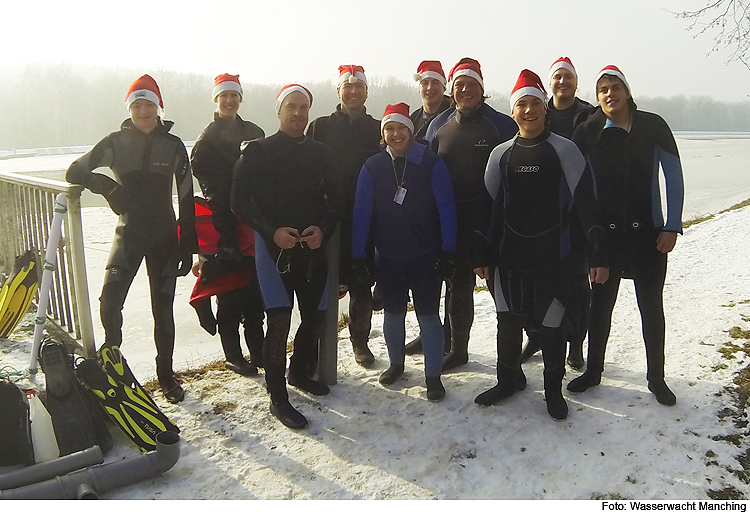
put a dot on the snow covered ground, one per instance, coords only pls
(366, 441)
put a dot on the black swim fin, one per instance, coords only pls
(77, 420)
(18, 292)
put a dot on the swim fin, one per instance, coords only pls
(18, 292)
(77, 419)
(129, 407)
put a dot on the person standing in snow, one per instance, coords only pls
(405, 195)
(464, 137)
(285, 188)
(354, 136)
(229, 273)
(432, 84)
(522, 242)
(624, 147)
(145, 159)
(565, 112)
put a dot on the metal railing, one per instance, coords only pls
(26, 210)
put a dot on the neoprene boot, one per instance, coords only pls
(532, 346)
(390, 376)
(575, 355)
(557, 407)
(435, 389)
(509, 339)
(362, 354)
(306, 353)
(236, 362)
(459, 353)
(173, 391)
(662, 392)
(284, 412)
(414, 346)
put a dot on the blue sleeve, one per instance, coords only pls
(442, 188)
(362, 215)
(675, 189)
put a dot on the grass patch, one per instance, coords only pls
(739, 391)
(697, 219)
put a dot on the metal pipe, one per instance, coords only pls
(51, 469)
(93, 481)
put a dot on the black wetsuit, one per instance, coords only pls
(464, 141)
(564, 122)
(524, 236)
(625, 166)
(213, 158)
(145, 166)
(282, 181)
(422, 119)
(353, 142)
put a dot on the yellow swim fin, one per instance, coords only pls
(18, 292)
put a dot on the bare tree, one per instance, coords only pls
(728, 21)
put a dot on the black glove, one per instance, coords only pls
(445, 265)
(361, 273)
(186, 262)
(113, 192)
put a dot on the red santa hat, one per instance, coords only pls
(225, 82)
(351, 73)
(469, 67)
(611, 69)
(144, 87)
(290, 88)
(565, 63)
(398, 113)
(528, 83)
(430, 70)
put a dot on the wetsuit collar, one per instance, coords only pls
(471, 115)
(529, 142)
(415, 153)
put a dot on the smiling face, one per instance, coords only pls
(431, 90)
(467, 92)
(612, 95)
(563, 84)
(144, 115)
(398, 137)
(352, 95)
(528, 113)
(228, 104)
(293, 114)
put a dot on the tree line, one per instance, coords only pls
(46, 105)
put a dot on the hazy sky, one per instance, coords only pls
(296, 41)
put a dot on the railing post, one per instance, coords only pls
(79, 271)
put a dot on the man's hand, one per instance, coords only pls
(666, 241)
(482, 273)
(599, 275)
(312, 236)
(286, 237)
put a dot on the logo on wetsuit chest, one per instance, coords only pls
(481, 143)
(527, 168)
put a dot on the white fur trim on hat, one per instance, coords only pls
(225, 87)
(614, 71)
(351, 79)
(565, 65)
(288, 90)
(469, 73)
(430, 75)
(399, 118)
(527, 90)
(141, 94)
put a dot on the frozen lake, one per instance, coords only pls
(716, 168)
